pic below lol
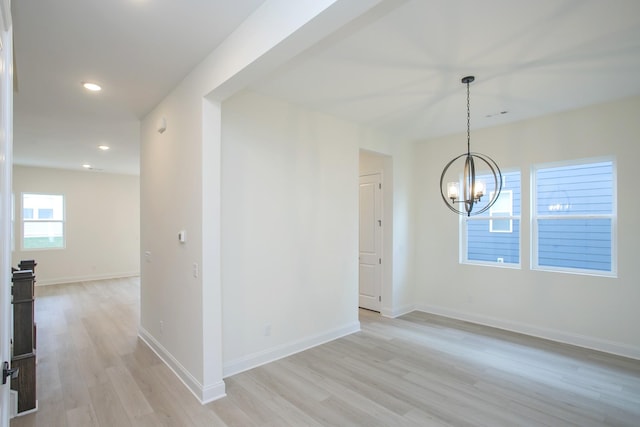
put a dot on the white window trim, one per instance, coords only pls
(533, 218)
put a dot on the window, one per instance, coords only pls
(493, 237)
(503, 207)
(42, 221)
(574, 217)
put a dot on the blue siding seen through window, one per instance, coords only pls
(485, 246)
(575, 243)
(499, 245)
(584, 189)
(575, 207)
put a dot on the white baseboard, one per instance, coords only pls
(204, 394)
(539, 332)
(272, 354)
(77, 279)
(397, 312)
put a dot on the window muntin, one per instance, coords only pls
(493, 237)
(574, 217)
(42, 221)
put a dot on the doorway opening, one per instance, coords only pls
(375, 232)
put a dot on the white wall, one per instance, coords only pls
(102, 227)
(586, 310)
(289, 229)
(171, 318)
(180, 184)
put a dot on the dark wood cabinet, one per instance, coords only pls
(25, 384)
(23, 312)
(24, 337)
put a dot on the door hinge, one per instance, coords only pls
(379, 223)
(379, 298)
(380, 186)
(379, 260)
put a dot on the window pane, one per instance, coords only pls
(483, 245)
(43, 221)
(501, 226)
(567, 199)
(45, 213)
(575, 243)
(504, 204)
(575, 189)
(509, 199)
(494, 236)
(47, 206)
(43, 234)
(502, 207)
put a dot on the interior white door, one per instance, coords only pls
(6, 159)
(370, 277)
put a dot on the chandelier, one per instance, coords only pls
(471, 200)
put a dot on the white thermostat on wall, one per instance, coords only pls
(182, 236)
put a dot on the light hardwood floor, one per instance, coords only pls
(418, 370)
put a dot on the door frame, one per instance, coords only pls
(6, 172)
(371, 162)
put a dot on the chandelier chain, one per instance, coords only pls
(468, 121)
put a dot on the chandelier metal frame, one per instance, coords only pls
(472, 190)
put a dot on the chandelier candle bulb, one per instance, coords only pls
(453, 191)
(479, 190)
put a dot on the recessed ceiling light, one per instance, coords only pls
(103, 147)
(86, 166)
(91, 86)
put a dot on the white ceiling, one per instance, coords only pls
(397, 69)
(138, 50)
(401, 72)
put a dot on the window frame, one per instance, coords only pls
(463, 243)
(24, 221)
(534, 217)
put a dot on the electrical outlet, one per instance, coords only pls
(161, 327)
(195, 269)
